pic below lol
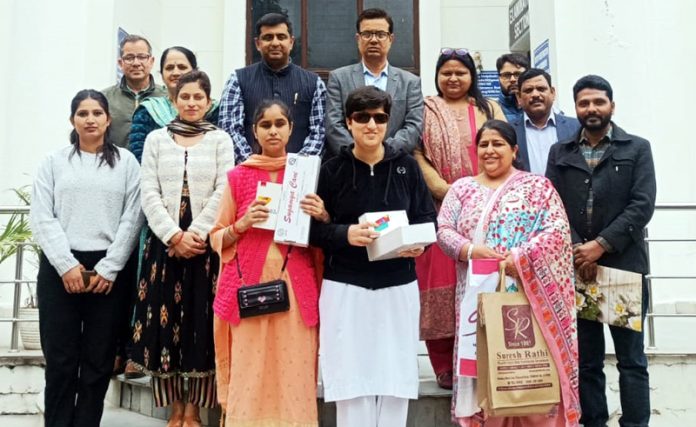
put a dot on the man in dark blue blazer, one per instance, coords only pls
(539, 127)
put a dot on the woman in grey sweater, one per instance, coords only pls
(86, 217)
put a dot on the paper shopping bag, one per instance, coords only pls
(482, 276)
(614, 297)
(516, 372)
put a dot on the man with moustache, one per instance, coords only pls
(375, 35)
(539, 127)
(606, 179)
(136, 61)
(274, 77)
(510, 67)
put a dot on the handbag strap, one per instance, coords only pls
(285, 263)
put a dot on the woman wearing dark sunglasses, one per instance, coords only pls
(450, 122)
(369, 311)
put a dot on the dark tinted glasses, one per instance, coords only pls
(363, 117)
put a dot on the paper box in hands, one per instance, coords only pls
(300, 179)
(270, 194)
(396, 235)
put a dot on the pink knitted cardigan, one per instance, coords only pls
(252, 248)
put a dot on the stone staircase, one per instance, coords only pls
(21, 382)
(432, 409)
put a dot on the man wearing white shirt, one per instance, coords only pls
(375, 37)
(539, 127)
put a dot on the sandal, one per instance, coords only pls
(132, 372)
(444, 380)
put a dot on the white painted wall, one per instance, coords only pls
(477, 25)
(644, 48)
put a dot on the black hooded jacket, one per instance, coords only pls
(349, 188)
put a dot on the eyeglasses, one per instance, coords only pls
(129, 59)
(363, 117)
(449, 52)
(380, 35)
(508, 76)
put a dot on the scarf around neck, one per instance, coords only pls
(184, 128)
(266, 163)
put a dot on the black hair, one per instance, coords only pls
(374, 13)
(367, 98)
(195, 76)
(268, 103)
(271, 20)
(133, 38)
(530, 74)
(505, 130)
(261, 110)
(474, 91)
(190, 56)
(517, 59)
(592, 81)
(109, 152)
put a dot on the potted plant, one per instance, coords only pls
(14, 233)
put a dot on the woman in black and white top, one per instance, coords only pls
(85, 216)
(368, 311)
(184, 172)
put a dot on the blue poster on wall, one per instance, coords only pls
(489, 83)
(541, 56)
(119, 38)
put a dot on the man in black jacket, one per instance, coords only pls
(606, 179)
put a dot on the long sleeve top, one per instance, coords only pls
(304, 92)
(162, 180)
(80, 205)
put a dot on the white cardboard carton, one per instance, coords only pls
(402, 238)
(301, 177)
(270, 192)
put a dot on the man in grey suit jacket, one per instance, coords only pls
(375, 36)
(539, 127)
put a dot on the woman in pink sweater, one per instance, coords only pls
(266, 365)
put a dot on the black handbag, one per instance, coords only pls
(263, 298)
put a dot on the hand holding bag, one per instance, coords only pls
(263, 298)
(517, 374)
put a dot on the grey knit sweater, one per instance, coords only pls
(79, 205)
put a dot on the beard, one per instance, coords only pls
(510, 91)
(594, 122)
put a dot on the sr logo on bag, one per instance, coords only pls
(517, 324)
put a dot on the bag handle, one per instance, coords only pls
(285, 263)
(502, 279)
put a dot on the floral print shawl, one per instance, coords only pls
(528, 219)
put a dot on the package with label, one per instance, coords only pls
(516, 373)
(270, 194)
(301, 177)
(395, 234)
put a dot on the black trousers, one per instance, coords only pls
(78, 336)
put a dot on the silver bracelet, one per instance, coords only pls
(469, 251)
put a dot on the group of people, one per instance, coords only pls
(147, 227)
